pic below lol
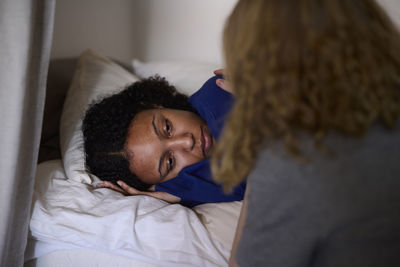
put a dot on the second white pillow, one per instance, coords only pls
(186, 76)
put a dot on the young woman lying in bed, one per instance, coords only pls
(149, 139)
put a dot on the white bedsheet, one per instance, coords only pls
(84, 258)
(68, 214)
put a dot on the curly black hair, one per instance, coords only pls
(106, 124)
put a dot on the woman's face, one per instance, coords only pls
(162, 141)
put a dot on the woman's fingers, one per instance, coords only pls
(107, 184)
(128, 189)
(122, 188)
(219, 72)
(156, 194)
(224, 84)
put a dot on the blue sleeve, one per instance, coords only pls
(195, 185)
(213, 104)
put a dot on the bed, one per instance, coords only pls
(74, 223)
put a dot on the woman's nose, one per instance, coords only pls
(184, 141)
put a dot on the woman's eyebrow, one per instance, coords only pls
(163, 155)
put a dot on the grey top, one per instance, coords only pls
(341, 210)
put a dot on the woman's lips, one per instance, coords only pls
(206, 141)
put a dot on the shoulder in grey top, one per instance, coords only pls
(341, 210)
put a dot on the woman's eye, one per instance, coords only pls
(170, 162)
(168, 128)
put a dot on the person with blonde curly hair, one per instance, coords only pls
(315, 129)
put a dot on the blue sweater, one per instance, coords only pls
(194, 183)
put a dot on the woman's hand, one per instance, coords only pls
(130, 191)
(222, 83)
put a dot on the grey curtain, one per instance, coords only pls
(26, 28)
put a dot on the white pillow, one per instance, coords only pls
(94, 76)
(186, 76)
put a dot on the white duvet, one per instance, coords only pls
(68, 214)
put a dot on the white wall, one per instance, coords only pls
(149, 29)
(146, 29)
(392, 7)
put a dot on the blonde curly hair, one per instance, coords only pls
(314, 65)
